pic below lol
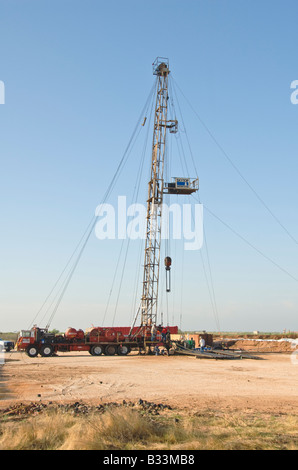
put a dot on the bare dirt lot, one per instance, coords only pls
(269, 384)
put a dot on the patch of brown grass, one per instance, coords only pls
(127, 429)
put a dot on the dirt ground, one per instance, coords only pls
(269, 384)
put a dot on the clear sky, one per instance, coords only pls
(77, 74)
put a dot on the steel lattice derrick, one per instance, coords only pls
(155, 198)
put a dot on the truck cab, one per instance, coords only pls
(6, 345)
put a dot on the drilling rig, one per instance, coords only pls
(121, 341)
(156, 189)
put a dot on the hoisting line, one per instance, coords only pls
(134, 198)
(93, 220)
(235, 167)
(251, 245)
(210, 287)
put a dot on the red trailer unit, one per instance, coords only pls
(95, 340)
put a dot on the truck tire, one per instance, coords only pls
(123, 350)
(96, 350)
(32, 350)
(46, 350)
(110, 350)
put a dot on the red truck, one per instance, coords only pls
(95, 340)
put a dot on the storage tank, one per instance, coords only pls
(94, 332)
(71, 333)
(80, 334)
(99, 334)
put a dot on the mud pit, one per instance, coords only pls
(269, 384)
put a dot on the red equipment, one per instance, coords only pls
(72, 333)
(95, 340)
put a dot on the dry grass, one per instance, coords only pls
(127, 429)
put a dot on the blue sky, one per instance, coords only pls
(77, 75)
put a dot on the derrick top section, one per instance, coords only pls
(161, 67)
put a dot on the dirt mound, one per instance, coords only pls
(263, 345)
